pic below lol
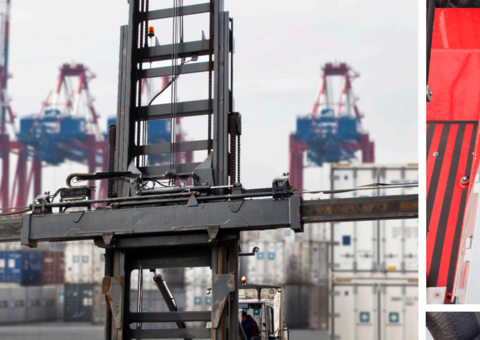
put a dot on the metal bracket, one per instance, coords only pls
(107, 238)
(223, 284)
(112, 288)
(192, 201)
(213, 232)
(436, 295)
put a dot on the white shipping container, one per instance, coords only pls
(198, 276)
(387, 248)
(318, 263)
(147, 283)
(98, 264)
(378, 311)
(79, 262)
(198, 298)
(314, 232)
(279, 263)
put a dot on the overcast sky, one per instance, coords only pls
(280, 47)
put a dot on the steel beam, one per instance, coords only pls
(360, 209)
(170, 316)
(167, 220)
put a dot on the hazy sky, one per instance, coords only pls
(280, 47)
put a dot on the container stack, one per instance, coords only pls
(374, 264)
(337, 274)
(28, 282)
(300, 266)
(84, 271)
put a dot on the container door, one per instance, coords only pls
(399, 312)
(355, 312)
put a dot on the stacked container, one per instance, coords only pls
(84, 271)
(311, 264)
(374, 264)
(198, 295)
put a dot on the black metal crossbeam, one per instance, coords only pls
(256, 214)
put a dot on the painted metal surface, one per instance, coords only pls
(374, 311)
(387, 248)
(53, 267)
(78, 303)
(450, 149)
(454, 66)
(452, 153)
(34, 304)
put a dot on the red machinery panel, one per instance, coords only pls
(452, 127)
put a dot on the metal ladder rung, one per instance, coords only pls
(170, 317)
(182, 333)
(168, 13)
(184, 50)
(168, 70)
(159, 171)
(183, 109)
(155, 149)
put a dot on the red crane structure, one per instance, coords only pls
(333, 131)
(68, 129)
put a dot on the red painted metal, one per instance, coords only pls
(5, 169)
(452, 145)
(53, 267)
(296, 155)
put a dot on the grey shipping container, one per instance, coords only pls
(13, 304)
(34, 304)
(49, 303)
(98, 305)
(78, 302)
(318, 307)
(60, 291)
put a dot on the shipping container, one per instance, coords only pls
(317, 232)
(279, 263)
(274, 235)
(98, 305)
(14, 266)
(385, 248)
(84, 262)
(49, 303)
(201, 276)
(41, 247)
(318, 307)
(197, 297)
(53, 267)
(13, 304)
(60, 300)
(21, 267)
(374, 311)
(34, 304)
(17, 297)
(296, 301)
(78, 302)
(3, 266)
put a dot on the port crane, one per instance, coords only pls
(332, 132)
